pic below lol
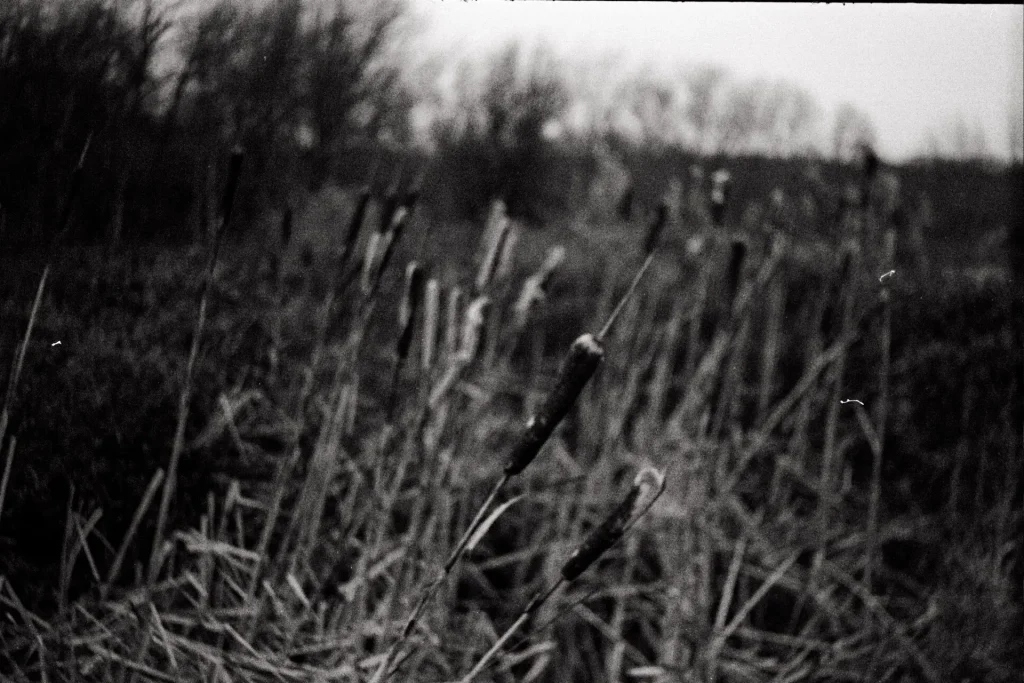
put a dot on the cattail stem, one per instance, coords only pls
(531, 608)
(647, 488)
(878, 444)
(625, 297)
(471, 529)
(73, 188)
(234, 171)
(657, 227)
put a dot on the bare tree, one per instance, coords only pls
(851, 130)
(704, 85)
(495, 139)
(740, 118)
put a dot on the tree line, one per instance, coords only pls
(151, 100)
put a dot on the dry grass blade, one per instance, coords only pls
(723, 634)
(8, 464)
(234, 171)
(133, 527)
(481, 530)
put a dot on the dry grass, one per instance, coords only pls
(400, 535)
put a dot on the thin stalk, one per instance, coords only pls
(186, 391)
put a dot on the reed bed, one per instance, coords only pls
(675, 501)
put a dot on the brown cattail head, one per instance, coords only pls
(508, 247)
(497, 211)
(531, 294)
(534, 290)
(357, 220)
(473, 329)
(555, 257)
(380, 249)
(579, 366)
(391, 200)
(410, 305)
(398, 224)
(413, 294)
(373, 248)
(647, 486)
(495, 241)
(451, 322)
(431, 314)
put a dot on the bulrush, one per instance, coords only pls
(495, 242)
(411, 300)
(453, 311)
(536, 286)
(473, 329)
(379, 250)
(407, 310)
(584, 356)
(431, 320)
(647, 486)
(579, 366)
(352, 234)
(508, 248)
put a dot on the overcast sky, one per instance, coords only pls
(913, 68)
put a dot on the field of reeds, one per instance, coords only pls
(655, 449)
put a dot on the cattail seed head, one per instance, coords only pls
(579, 366)
(473, 329)
(431, 312)
(497, 211)
(495, 243)
(531, 294)
(356, 223)
(551, 262)
(373, 248)
(412, 295)
(508, 248)
(647, 486)
(381, 249)
(451, 322)
(410, 304)
(534, 290)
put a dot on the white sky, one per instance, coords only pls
(913, 69)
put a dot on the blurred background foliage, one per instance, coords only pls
(318, 92)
